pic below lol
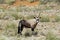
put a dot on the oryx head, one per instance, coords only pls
(37, 18)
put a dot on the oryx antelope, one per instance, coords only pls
(28, 24)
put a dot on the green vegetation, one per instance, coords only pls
(1, 1)
(48, 8)
(2, 38)
(16, 16)
(45, 19)
(30, 1)
(2, 15)
(47, 1)
(57, 18)
(10, 29)
(51, 36)
(10, 2)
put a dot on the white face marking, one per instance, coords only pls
(37, 19)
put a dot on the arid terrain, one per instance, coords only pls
(44, 31)
(48, 27)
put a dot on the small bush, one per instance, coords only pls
(16, 16)
(44, 19)
(2, 9)
(30, 1)
(57, 1)
(27, 34)
(2, 15)
(43, 1)
(10, 29)
(57, 18)
(51, 36)
(1, 38)
(9, 1)
(48, 1)
(48, 8)
(1, 1)
(11, 25)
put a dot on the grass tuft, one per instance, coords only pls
(45, 19)
(10, 29)
(57, 18)
(51, 36)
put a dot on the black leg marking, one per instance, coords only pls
(21, 29)
(18, 30)
(32, 29)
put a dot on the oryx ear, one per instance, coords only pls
(34, 17)
(40, 17)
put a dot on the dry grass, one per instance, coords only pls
(16, 16)
(50, 21)
(9, 31)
